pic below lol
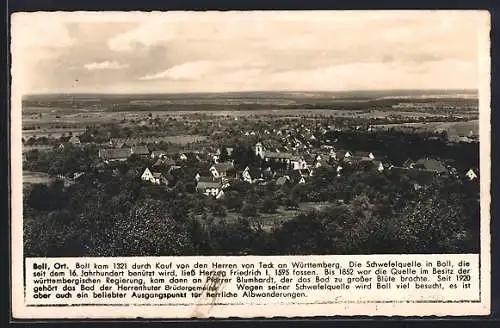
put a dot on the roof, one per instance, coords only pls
(271, 154)
(157, 175)
(357, 158)
(140, 150)
(158, 152)
(254, 171)
(431, 164)
(224, 166)
(108, 154)
(164, 161)
(282, 180)
(207, 178)
(201, 185)
(421, 176)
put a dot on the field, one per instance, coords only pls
(30, 177)
(452, 128)
(58, 115)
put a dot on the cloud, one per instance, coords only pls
(220, 51)
(105, 65)
(197, 70)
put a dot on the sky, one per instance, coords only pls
(245, 51)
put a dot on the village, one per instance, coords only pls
(285, 156)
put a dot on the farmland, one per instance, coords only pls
(56, 116)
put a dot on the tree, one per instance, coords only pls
(249, 210)
(233, 200)
(149, 229)
(269, 205)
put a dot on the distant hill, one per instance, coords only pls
(244, 100)
(354, 95)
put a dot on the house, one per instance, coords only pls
(306, 172)
(430, 165)
(183, 157)
(379, 166)
(366, 155)
(297, 177)
(471, 174)
(297, 162)
(155, 177)
(78, 175)
(159, 178)
(164, 161)
(339, 170)
(416, 176)
(323, 162)
(210, 188)
(140, 151)
(158, 154)
(287, 160)
(74, 140)
(146, 175)
(118, 143)
(114, 155)
(282, 180)
(340, 155)
(220, 170)
(251, 174)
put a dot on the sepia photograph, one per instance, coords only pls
(307, 163)
(250, 134)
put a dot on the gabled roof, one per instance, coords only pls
(158, 152)
(202, 185)
(140, 150)
(254, 172)
(164, 161)
(431, 164)
(224, 166)
(282, 180)
(421, 176)
(363, 153)
(208, 178)
(271, 154)
(115, 153)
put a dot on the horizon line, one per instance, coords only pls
(251, 91)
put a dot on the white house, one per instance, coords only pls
(245, 175)
(208, 188)
(471, 174)
(220, 170)
(147, 175)
(298, 163)
(158, 154)
(155, 177)
(74, 140)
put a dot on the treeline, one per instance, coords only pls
(399, 146)
(245, 103)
